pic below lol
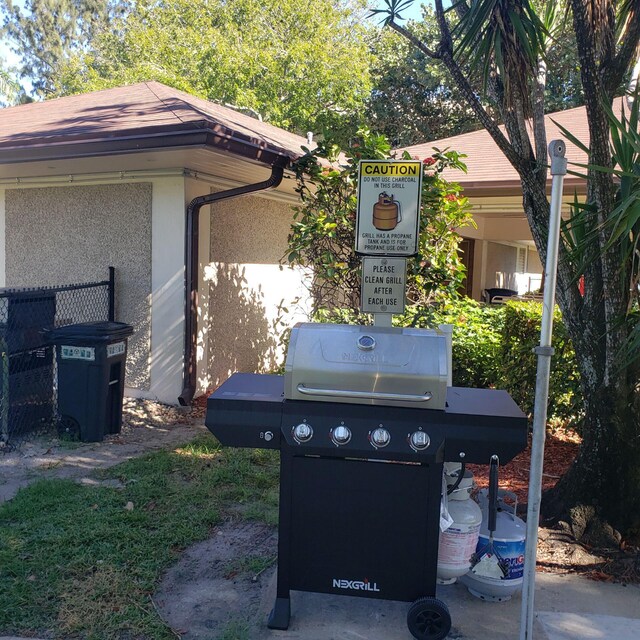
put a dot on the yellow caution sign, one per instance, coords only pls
(388, 207)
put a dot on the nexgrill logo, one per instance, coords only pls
(360, 357)
(355, 585)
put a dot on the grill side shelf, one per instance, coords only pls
(248, 410)
(245, 411)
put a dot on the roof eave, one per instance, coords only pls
(514, 187)
(149, 139)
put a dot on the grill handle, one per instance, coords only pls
(369, 395)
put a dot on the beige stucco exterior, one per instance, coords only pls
(504, 253)
(247, 288)
(61, 235)
(138, 227)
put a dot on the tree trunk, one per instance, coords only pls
(607, 470)
(606, 473)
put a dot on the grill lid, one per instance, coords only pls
(372, 365)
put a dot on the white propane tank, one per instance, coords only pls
(458, 542)
(497, 575)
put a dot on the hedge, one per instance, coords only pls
(521, 334)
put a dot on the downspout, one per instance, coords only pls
(192, 267)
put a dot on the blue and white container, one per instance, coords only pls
(498, 570)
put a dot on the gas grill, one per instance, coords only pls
(364, 420)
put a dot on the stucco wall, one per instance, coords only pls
(3, 239)
(61, 235)
(246, 286)
(534, 265)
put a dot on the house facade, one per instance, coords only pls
(104, 179)
(499, 251)
(109, 179)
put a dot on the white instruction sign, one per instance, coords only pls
(77, 353)
(388, 215)
(383, 285)
(116, 349)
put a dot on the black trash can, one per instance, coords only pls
(91, 359)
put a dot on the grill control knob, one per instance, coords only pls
(420, 440)
(302, 432)
(380, 437)
(341, 435)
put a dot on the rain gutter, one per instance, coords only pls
(192, 265)
(63, 146)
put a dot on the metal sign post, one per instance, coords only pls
(544, 352)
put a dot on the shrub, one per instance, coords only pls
(322, 235)
(476, 342)
(476, 338)
(521, 334)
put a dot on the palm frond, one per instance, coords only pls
(393, 10)
(505, 35)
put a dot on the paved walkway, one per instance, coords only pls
(198, 598)
(568, 608)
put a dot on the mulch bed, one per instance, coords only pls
(559, 452)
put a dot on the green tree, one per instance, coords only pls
(45, 33)
(8, 86)
(412, 99)
(323, 233)
(299, 66)
(507, 42)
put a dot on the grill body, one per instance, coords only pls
(357, 519)
(352, 531)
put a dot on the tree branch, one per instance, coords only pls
(613, 72)
(445, 54)
(413, 39)
(535, 200)
(538, 123)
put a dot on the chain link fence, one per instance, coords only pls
(27, 362)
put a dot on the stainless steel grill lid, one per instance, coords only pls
(369, 365)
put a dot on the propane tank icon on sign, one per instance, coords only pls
(387, 213)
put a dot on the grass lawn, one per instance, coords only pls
(83, 561)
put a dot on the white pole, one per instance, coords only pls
(544, 353)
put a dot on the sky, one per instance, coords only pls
(6, 55)
(411, 13)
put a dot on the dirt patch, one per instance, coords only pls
(216, 588)
(146, 426)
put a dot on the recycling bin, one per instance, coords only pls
(24, 316)
(26, 361)
(91, 358)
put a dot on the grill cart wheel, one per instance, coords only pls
(429, 619)
(68, 428)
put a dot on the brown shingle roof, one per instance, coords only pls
(488, 168)
(148, 115)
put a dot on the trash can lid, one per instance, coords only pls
(101, 331)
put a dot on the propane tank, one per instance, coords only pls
(498, 563)
(459, 540)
